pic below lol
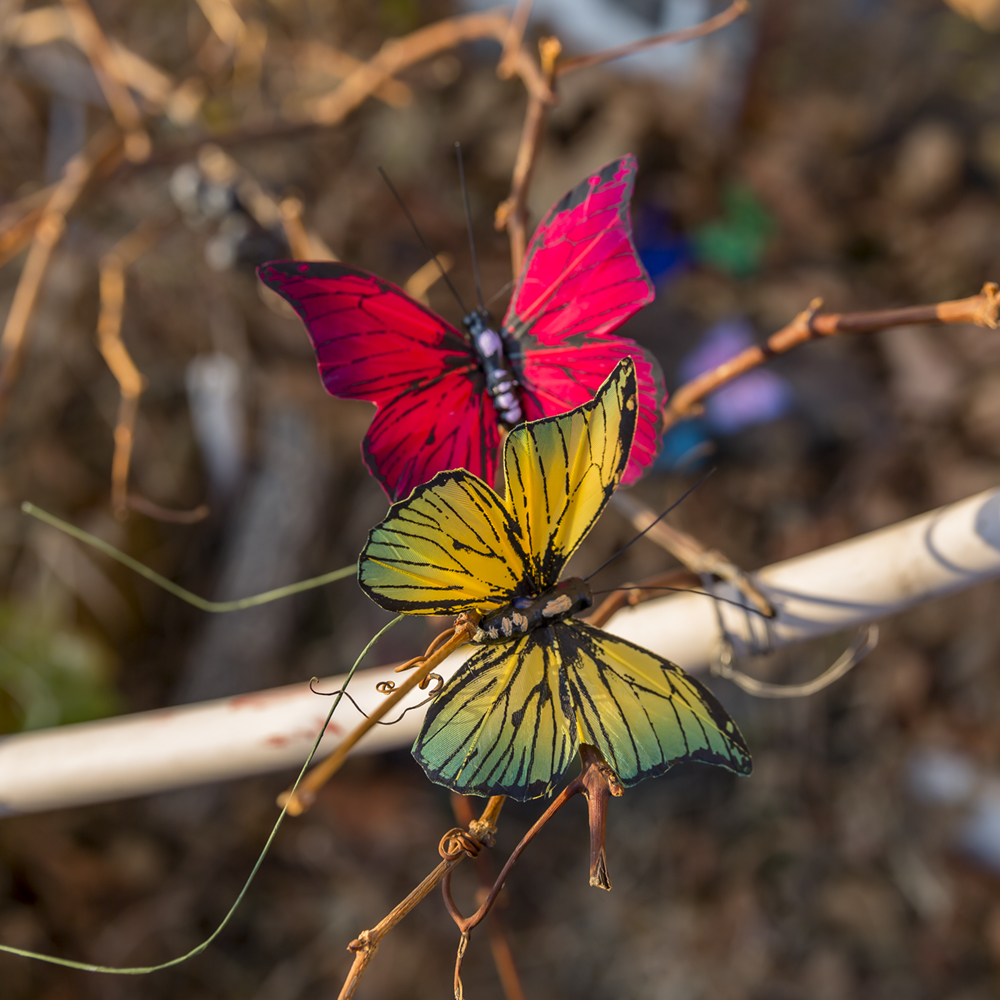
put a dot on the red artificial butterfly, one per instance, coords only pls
(443, 395)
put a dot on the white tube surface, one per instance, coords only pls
(845, 585)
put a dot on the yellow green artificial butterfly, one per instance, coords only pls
(541, 683)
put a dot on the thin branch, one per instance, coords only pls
(503, 955)
(49, 230)
(299, 801)
(95, 46)
(735, 10)
(982, 310)
(397, 54)
(512, 42)
(455, 847)
(598, 783)
(686, 549)
(630, 595)
(512, 213)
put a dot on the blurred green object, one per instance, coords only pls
(50, 672)
(736, 242)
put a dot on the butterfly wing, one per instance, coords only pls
(642, 712)
(499, 726)
(451, 546)
(374, 342)
(511, 719)
(561, 472)
(582, 278)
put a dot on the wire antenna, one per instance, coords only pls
(675, 504)
(423, 242)
(676, 590)
(468, 222)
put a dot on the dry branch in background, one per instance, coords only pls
(982, 310)
(102, 149)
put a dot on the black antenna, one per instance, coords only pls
(468, 222)
(678, 590)
(676, 503)
(423, 242)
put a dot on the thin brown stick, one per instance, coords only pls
(298, 802)
(512, 213)
(982, 310)
(598, 782)
(503, 955)
(735, 10)
(48, 232)
(629, 595)
(397, 54)
(686, 549)
(508, 64)
(94, 44)
(454, 850)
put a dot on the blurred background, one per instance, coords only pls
(848, 149)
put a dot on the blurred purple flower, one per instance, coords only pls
(755, 398)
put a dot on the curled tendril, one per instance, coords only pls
(457, 842)
(438, 683)
(385, 687)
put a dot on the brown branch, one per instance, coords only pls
(512, 213)
(455, 847)
(78, 171)
(735, 10)
(298, 802)
(982, 310)
(598, 782)
(397, 54)
(94, 44)
(686, 549)
(512, 41)
(503, 956)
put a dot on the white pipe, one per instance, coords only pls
(845, 585)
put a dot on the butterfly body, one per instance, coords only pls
(445, 395)
(539, 683)
(501, 385)
(525, 614)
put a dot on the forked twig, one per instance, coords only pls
(598, 782)
(982, 310)
(735, 10)
(455, 847)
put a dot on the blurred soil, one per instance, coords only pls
(867, 136)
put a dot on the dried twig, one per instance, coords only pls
(631, 594)
(688, 550)
(421, 281)
(503, 956)
(982, 310)
(397, 54)
(126, 113)
(305, 795)
(512, 50)
(455, 846)
(512, 213)
(598, 782)
(736, 9)
(78, 171)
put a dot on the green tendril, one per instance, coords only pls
(172, 588)
(143, 970)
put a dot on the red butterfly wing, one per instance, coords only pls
(374, 342)
(582, 279)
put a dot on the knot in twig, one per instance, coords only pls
(989, 314)
(362, 942)
(457, 842)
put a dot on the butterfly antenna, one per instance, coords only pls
(498, 293)
(675, 504)
(423, 242)
(679, 590)
(468, 222)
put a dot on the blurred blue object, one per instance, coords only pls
(686, 447)
(663, 250)
(758, 397)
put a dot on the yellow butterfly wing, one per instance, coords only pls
(499, 726)
(561, 472)
(512, 718)
(451, 546)
(642, 712)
